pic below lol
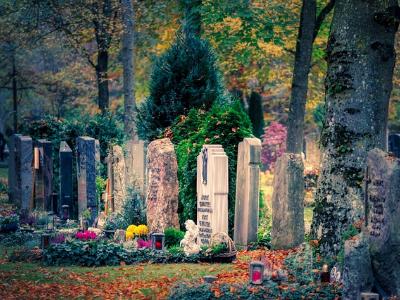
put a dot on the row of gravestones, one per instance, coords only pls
(31, 174)
(212, 190)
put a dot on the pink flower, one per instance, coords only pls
(143, 244)
(86, 235)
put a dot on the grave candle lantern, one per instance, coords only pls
(65, 212)
(256, 272)
(157, 241)
(45, 241)
(325, 275)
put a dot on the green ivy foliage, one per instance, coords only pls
(185, 77)
(224, 124)
(173, 237)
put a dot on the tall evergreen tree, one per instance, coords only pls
(185, 77)
(256, 114)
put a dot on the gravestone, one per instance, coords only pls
(24, 172)
(65, 171)
(12, 169)
(212, 192)
(383, 219)
(287, 202)
(44, 176)
(116, 168)
(162, 190)
(86, 175)
(394, 144)
(247, 191)
(135, 163)
(312, 152)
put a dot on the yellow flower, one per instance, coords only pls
(131, 228)
(142, 230)
(129, 235)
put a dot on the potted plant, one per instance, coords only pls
(9, 223)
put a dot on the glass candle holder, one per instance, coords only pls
(325, 275)
(45, 241)
(157, 241)
(256, 272)
(65, 212)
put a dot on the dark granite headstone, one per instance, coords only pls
(12, 169)
(65, 165)
(86, 175)
(44, 176)
(394, 144)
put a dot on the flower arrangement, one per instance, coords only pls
(86, 235)
(143, 244)
(133, 230)
(58, 239)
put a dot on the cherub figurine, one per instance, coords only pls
(189, 242)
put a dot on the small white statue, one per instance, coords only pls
(189, 242)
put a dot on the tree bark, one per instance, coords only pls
(15, 94)
(302, 63)
(102, 79)
(361, 59)
(128, 69)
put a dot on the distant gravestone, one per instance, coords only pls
(135, 163)
(212, 192)
(24, 172)
(44, 176)
(117, 177)
(247, 191)
(383, 217)
(312, 152)
(394, 144)
(86, 175)
(12, 169)
(65, 172)
(287, 202)
(162, 190)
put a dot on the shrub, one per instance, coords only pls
(224, 124)
(133, 209)
(173, 237)
(184, 77)
(256, 114)
(273, 144)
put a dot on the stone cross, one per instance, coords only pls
(12, 169)
(247, 191)
(86, 175)
(65, 165)
(212, 192)
(135, 163)
(288, 202)
(162, 189)
(44, 176)
(24, 172)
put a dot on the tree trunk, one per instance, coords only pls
(301, 69)
(361, 59)
(102, 79)
(128, 69)
(15, 94)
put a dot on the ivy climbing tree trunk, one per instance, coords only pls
(361, 57)
(128, 69)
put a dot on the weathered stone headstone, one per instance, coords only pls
(135, 163)
(287, 202)
(162, 190)
(12, 169)
(312, 152)
(394, 144)
(117, 178)
(86, 175)
(24, 172)
(247, 191)
(44, 176)
(383, 229)
(65, 171)
(212, 192)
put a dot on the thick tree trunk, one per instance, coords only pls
(102, 79)
(360, 59)
(301, 69)
(128, 68)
